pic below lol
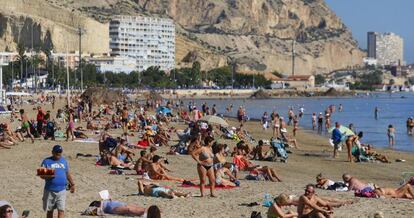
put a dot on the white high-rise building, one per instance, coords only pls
(386, 48)
(148, 40)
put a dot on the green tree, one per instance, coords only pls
(320, 79)
(21, 58)
(220, 76)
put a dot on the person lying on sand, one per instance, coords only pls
(355, 184)
(157, 171)
(154, 190)
(369, 150)
(327, 184)
(405, 191)
(312, 206)
(246, 165)
(124, 209)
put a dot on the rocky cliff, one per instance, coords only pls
(255, 34)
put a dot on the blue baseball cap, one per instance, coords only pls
(57, 149)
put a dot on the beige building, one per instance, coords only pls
(302, 82)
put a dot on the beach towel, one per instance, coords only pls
(143, 144)
(88, 140)
(207, 186)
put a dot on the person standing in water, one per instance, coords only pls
(341, 108)
(376, 113)
(391, 135)
(301, 111)
(313, 121)
(320, 123)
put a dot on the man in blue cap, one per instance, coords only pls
(54, 195)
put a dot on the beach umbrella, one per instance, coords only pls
(344, 130)
(211, 119)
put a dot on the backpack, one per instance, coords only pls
(256, 214)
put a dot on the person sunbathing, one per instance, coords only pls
(157, 171)
(115, 162)
(124, 209)
(221, 181)
(276, 210)
(286, 138)
(312, 206)
(220, 160)
(322, 182)
(262, 151)
(355, 184)
(142, 164)
(8, 131)
(406, 191)
(369, 150)
(80, 134)
(154, 190)
(122, 152)
(242, 148)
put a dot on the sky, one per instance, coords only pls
(362, 16)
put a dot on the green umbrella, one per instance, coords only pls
(344, 130)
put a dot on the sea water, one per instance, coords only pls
(394, 109)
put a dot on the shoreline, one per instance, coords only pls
(24, 190)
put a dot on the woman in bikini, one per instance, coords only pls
(71, 126)
(205, 158)
(276, 126)
(156, 190)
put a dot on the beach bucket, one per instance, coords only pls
(104, 194)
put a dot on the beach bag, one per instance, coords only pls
(256, 214)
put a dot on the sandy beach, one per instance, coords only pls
(23, 189)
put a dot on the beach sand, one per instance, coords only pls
(23, 189)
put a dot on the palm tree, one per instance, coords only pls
(21, 58)
(35, 63)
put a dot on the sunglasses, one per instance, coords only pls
(9, 211)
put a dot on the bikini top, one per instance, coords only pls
(205, 156)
